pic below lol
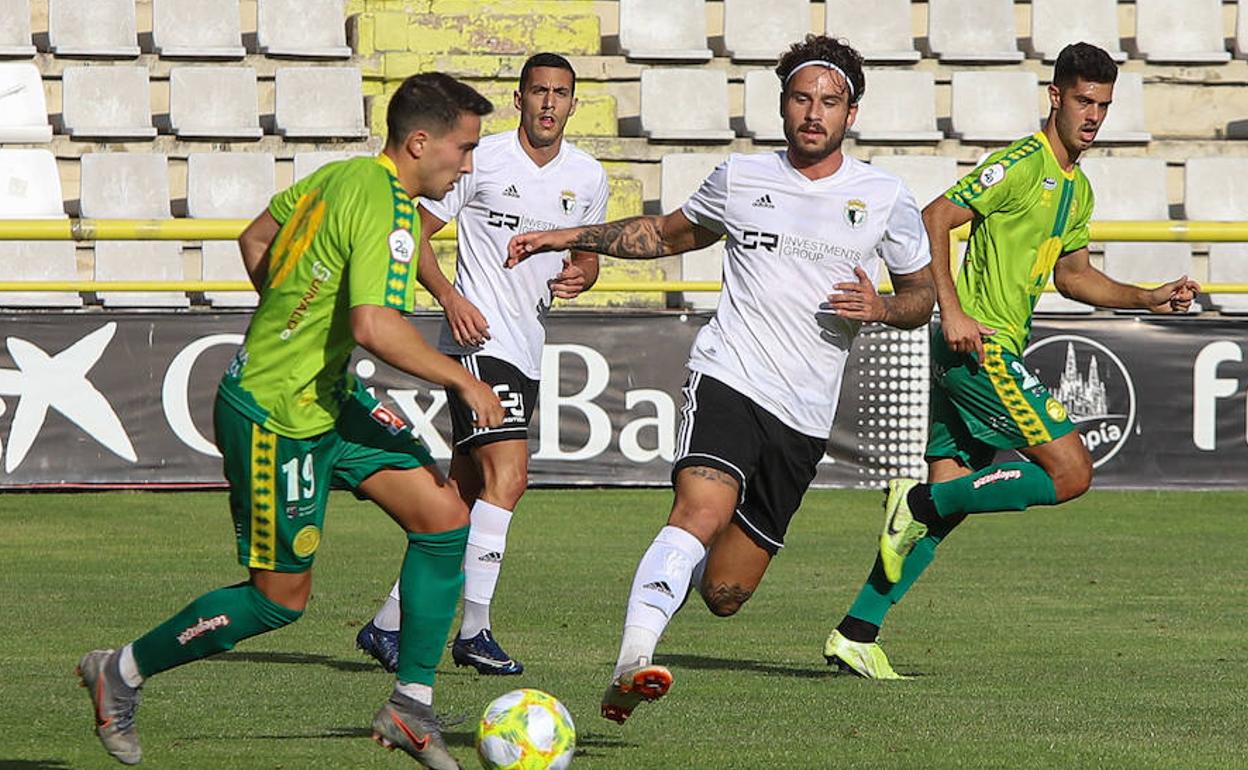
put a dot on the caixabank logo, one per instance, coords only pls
(1089, 382)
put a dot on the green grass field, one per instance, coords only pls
(1108, 633)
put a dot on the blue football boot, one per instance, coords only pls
(483, 653)
(382, 646)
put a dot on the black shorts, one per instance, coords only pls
(517, 392)
(774, 464)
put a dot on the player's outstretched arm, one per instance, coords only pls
(254, 245)
(468, 325)
(645, 237)
(909, 307)
(1076, 278)
(384, 332)
(962, 333)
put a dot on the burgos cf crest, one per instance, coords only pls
(567, 202)
(855, 213)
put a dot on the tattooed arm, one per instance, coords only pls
(646, 237)
(909, 307)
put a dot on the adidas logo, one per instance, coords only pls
(493, 557)
(764, 202)
(662, 587)
(511, 192)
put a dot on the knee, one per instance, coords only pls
(725, 600)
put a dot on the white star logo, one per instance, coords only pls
(60, 382)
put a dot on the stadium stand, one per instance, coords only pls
(1055, 23)
(926, 176)
(1241, 30)
(972, 31)
(23, 108)
(899, 106)
(1180, 31)
(98, 29)
(307, 162)
(228, 185)
(762, 107)
(703, 98)
(15, 39)
(214, 103)
(31, 189)
(107, 103)
(1216, 189)
(883, 36)
(320, 102)
(197, 29)
(1125, 123)
(994, 107)
(682, 175)
(664, 30)
(760, 32)
(305, 29)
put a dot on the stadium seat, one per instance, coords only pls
(755, 31)
(307, 162)
(197, 29)
(96, 28)
(39, 261)
(214, 103)
(685, 104)
(1241, 30)
(972, 30)
(883, 35)
(228, 185)
(898, 106)
(1058, 23)
(926, 176)
(15, 37)
(994, 106)
(24, 117)
(30, 188)
(107, 103)
(1135, 189)
(222, 261)
(140, 261)
(680, 176)
(671, 30)
(762, 106)
(1180, 31)
(302, 28)
(1125, 122)
(320, 102)
(1216, 189)
(1228, 263)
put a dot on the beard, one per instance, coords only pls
(808, 152)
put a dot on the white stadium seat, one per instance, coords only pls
(1180, 31)
(972, 30)
(681, 175)
(994, 106)
(307, 162)
(30, 188)
(39, 261)
(199, 29)
(672, 30)
(898, 106)
(302, 28)
(96, 28)
(1216, 189)
(1058, 23)
(30, 185)
(320, 102)
(1125, 122)
(926, 176)
(1241, 30)
(884, 34)
(15, 37)
(107, 103)
(762, 106)
(229, 185)
(755, 31)
(222, 261)
(140, 261)
(23, 108)
(214, 103)
(685, 104)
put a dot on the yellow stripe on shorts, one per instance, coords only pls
(263, 534)
(1028, 422)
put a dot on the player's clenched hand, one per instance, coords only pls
(1174, 297)
(857, 300)
(468, 325)
(487, 410)
(964, 334)
(570, 281)
(524, 245)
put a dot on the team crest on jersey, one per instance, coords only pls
(402, 246)
(991, 175)
(1050, 183)
(567, 201)
(855, 213)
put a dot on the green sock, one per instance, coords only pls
(429, 586)
(878, 595)
(213, 623)
(1003, 487)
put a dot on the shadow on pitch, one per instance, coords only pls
(737, 664)
(300, 659)
(33, 764)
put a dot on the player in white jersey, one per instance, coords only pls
(810, 232)
(522, 180)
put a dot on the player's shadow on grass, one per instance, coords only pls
(737, 664)
(299, 659)
(33, 764)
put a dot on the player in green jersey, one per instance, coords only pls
(1029, 206)
(332, 259)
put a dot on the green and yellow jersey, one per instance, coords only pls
(1028, 212)
(348, 237)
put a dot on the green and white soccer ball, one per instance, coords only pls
(526, 730)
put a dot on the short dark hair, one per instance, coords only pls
(545, 59)
(824, 48)
(433, 101)
(1083, 61)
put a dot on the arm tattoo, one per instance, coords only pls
(632, 238)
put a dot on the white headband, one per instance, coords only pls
(822, 63)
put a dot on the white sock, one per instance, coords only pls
(422, 693)
(129, 668)
(659, 588)
(483, 559)
(387, 618)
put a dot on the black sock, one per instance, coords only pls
(919, 498)
(856, 630)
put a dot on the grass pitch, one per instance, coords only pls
(1106, 633)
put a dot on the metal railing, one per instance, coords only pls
(229, 229)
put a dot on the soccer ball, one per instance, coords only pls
(526, 730)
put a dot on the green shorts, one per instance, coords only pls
(977, 410)
(279, 486)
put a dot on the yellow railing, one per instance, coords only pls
(229, 229)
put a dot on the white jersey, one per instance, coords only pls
(507, 193)
(790, 240)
